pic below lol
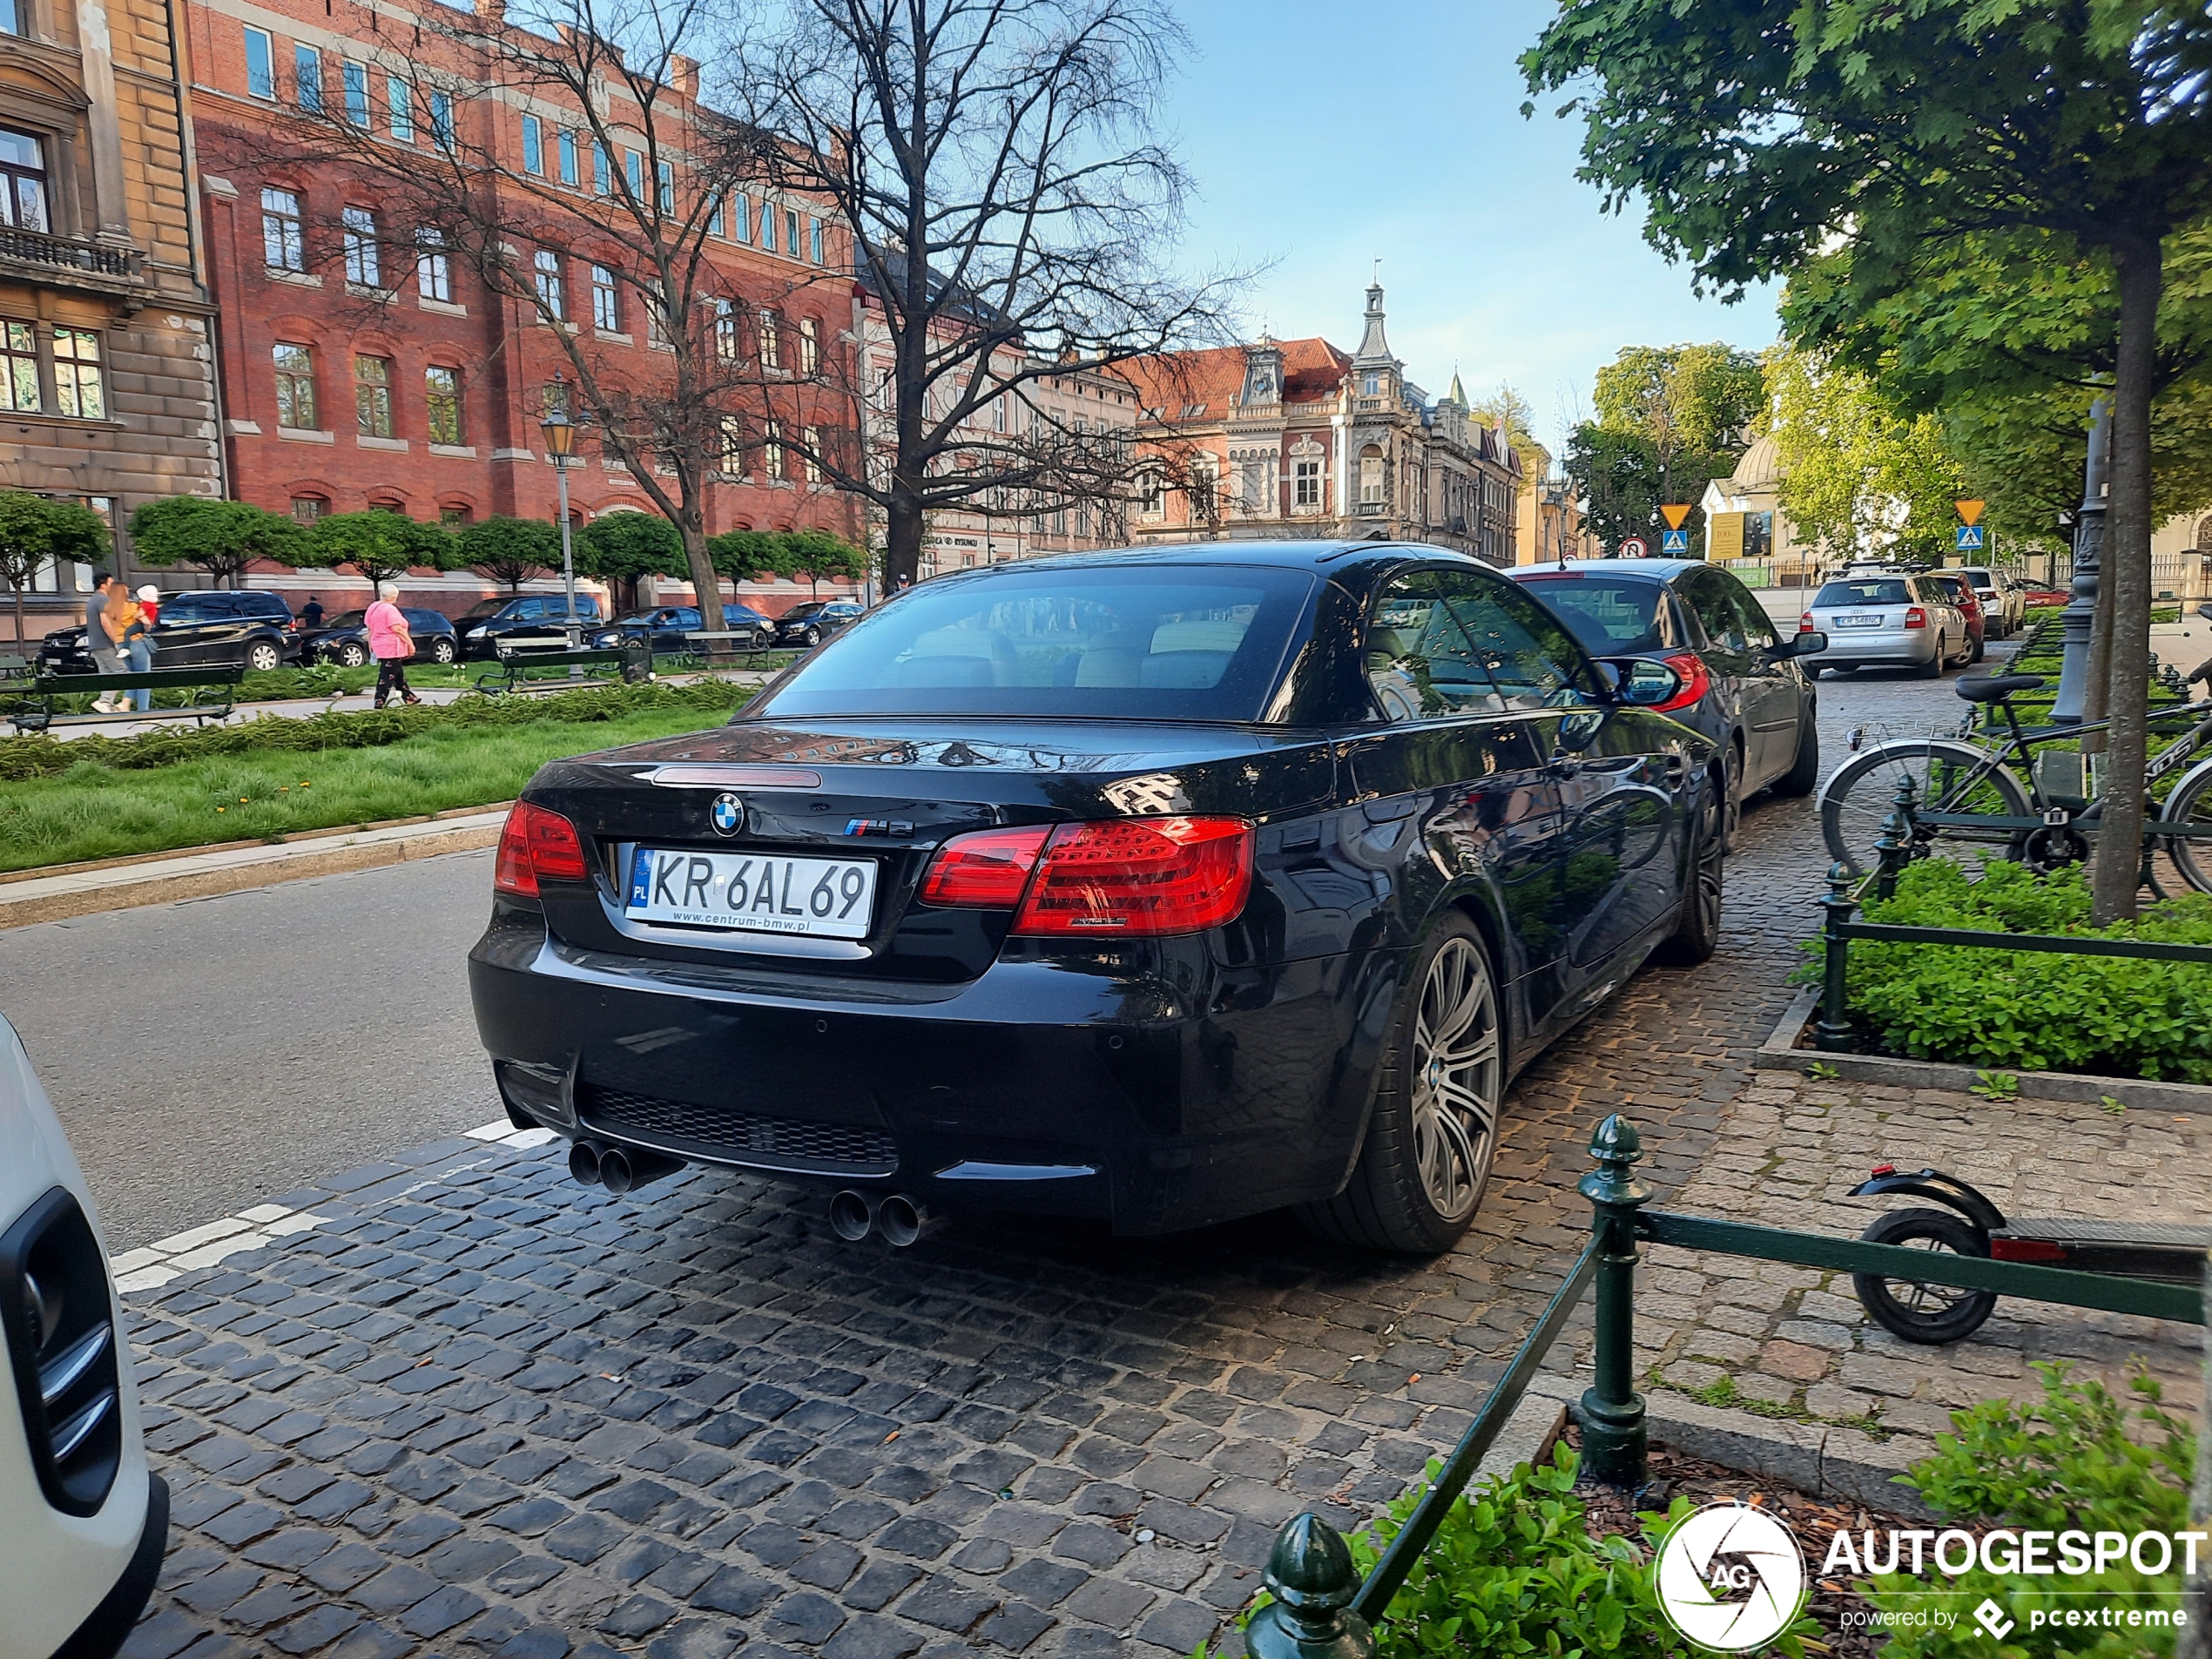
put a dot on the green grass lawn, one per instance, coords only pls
(93, 811)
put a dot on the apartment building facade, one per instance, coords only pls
(107, 385)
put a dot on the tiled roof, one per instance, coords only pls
(1208, 381)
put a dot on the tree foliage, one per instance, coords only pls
(221, 537)
(1670, 419)
(620, 547)
(509, 551)
(1859, 479)
(380, 546)
(35, 528)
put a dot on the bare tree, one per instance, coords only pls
(1010, 207)
(631, 183)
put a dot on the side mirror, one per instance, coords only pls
(1640, 682)
(1810, 643)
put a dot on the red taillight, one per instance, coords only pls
(2026, 1250)
(1805, 622)
(1696, 682)
(990, 869)
(1915, 618)
(537, 844)
(1128, 877)
(1885, 1168)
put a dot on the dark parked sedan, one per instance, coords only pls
(530, 617)
(809, 624)
(672, 626)
(196, 626)
(1160, 886)
(1741, 686)
(344, 638)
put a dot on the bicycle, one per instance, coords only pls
(1973, 791)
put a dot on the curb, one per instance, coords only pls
(1780, 1052)
(205, 875)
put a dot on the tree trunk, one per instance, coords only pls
(2127, 557)
(19, 645)
(902, 547)
(705, 581)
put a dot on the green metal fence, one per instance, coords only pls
(1323, 1610)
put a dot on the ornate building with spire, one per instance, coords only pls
(1295, 438)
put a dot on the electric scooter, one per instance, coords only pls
(1974, 1226)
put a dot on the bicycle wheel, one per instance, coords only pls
(1860, 794)
(2190, 804)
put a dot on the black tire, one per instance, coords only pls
(264, 656)
(1803, 776)
(350, 654)
(1980, 648)
(442, 651)
(1697, 936)
(1425, 1162)
(1932, 668)
(1926, 1313)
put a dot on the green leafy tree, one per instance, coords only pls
(1508, 406)
(1859, 479)
(817, 554)
(620, 548)
(380, 546)
(1763, 134)
(509, 551)
(747, 555)
(1670, 419)
(34, 528)
(221, 537)
(1617, 476)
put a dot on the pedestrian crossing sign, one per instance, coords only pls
(1969, 539)
(1673, 542)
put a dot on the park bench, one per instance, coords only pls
(35, 705)
(560, 670)
(722, 644)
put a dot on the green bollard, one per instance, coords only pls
(1614, 1442)
(1893, 847)
(1833, 1031)
(1311, 1574)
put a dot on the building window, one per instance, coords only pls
(433, 265)
(533, 147)
(307, 76)
(1305, 482)
(714, 217)
(812, 435)
(810, 345)
(441, 398)
(23, 175)
(725, 330)
(283, 243)
(1151, 494)
(657, 319)
(295, 387)
(771, 344)
(260, 63)
(399, 109)
(308, 509)
(771, 451)
(1202, 488)
(19, 368)
(602, 173)
(1373, 387)
(554, 396)
(606, 300)
(1370, 475)
(364, 266)
(568, 159)
(741, 219)
(667, 197)
(355, 78)
(441, 118)
(818, 241)
(732, 445)
(373, 396)
(791, 232)
(633, 170)
(546, 269)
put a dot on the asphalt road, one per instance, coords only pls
(206, 1056)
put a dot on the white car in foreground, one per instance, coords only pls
(84, 1520)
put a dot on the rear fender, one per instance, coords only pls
(1945, 1190)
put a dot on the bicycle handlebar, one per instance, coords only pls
(2201, 672)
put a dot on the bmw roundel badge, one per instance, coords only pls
(727, 814)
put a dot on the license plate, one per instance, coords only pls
(823, 898)
(1859, 622)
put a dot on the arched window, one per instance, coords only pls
(1371, 482)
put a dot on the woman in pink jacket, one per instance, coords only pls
(390, 643)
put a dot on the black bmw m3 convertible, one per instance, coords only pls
(1160, 886)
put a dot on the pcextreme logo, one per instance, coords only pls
(1731, 1577)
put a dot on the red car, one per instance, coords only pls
(2048, 596)
(1969, 603)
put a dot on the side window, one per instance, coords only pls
(1532, 659)
(1758, 627)
(527, 610)
(1421, 664)
(1716, 613)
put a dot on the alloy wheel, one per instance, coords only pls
(1454, 1077)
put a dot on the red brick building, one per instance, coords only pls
(362, 367)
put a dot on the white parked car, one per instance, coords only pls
(84, 1522)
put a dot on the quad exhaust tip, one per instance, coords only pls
(900, 1217)
(618, 1169)
(851, 1214)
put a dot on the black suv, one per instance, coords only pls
(344, 638)
(535, 617)
(814, 620)
(196, 626)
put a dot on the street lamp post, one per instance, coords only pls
(2078, 663)
(560, 446)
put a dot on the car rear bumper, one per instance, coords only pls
(1873, 647)
(1030, 1089)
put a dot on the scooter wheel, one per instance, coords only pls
(1919, 1312)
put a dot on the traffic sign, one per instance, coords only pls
(1635, 547)
(1674, 541)
(1970, 510)
(1674, 513)
(1969, 539)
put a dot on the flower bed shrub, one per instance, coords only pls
(2033, 1012)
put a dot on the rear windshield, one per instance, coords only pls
(1143, 642)
(1609, 615)
(1866, 590)
(1979, 579)
(346, 619)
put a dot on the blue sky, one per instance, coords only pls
(1324, 136)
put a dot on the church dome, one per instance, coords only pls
(1760, 468)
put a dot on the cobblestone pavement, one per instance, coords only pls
(1797, 1340)
(474, 1409)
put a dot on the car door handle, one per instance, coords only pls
(1563, 765)
(1387, 812)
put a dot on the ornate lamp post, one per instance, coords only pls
(560, 447)
(2076, 666)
